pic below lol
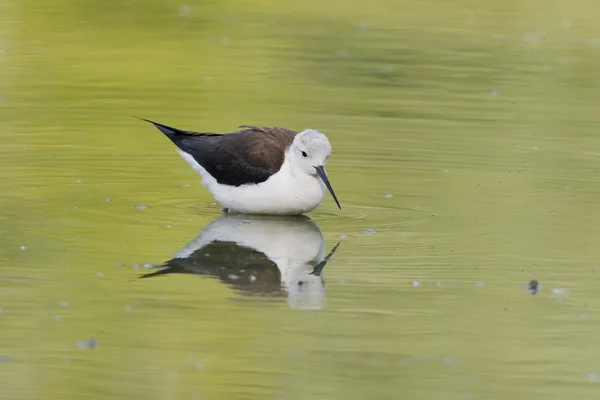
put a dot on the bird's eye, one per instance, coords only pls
(304, 154)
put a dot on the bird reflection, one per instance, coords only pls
(259, 255)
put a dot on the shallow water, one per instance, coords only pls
(466, 158)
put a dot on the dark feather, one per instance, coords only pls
(247, 156)
(248, 270)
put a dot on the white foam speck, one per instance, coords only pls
(142, 207)
(128, 308)
(494, 93)
(233, 277)
(388, 196)
(593, 42)
(449, 361)
(252, 278)
(86, 344)
(561, 291)
(369, 232)
(108, 200)
(100, 275)
(184, 10)
(416, 283)
(593, 377)
(447, 171)
(342, 236)
(148, 265)
(480, 284)
(536, 148)
(64, 304)
(22, 248)
(118, 264)
(79, 181)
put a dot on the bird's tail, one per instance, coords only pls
(167, 130)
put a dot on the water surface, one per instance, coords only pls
(465, 155)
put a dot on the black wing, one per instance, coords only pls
(250, 156)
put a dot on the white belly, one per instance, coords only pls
(283, 193)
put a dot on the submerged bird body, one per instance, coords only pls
(258, 170)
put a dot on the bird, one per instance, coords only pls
(258, 169)
(258, 255)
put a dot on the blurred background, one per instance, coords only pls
(466, 157)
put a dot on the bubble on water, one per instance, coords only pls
(449, 361)
(118, 264)
(169, 226)
(107, 200)
(23, 248)
(63, 304)
(342, 236)
(494, 93)
(416, 284)
(534, 37)
(86, 344)
(78, 181)
(583, 316)
(593, 42)
(560, 291)
(568, 187)
(388, 195)
(5, 359)
(148, 265)
(187, 184)
(184, 10)
(75, 208)
(438, 284)
(480, 284)
(142, 207)
(233, 277)
(536, 148)
(252, 278)
(593, 377)
(100, 275)
(369, 232)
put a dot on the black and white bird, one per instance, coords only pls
(258, 170)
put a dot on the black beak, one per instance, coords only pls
(321, 171)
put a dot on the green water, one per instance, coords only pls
(465, 135)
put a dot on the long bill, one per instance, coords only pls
(321, 172)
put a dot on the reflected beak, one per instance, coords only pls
(321, 171)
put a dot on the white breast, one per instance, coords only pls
(284, 193)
